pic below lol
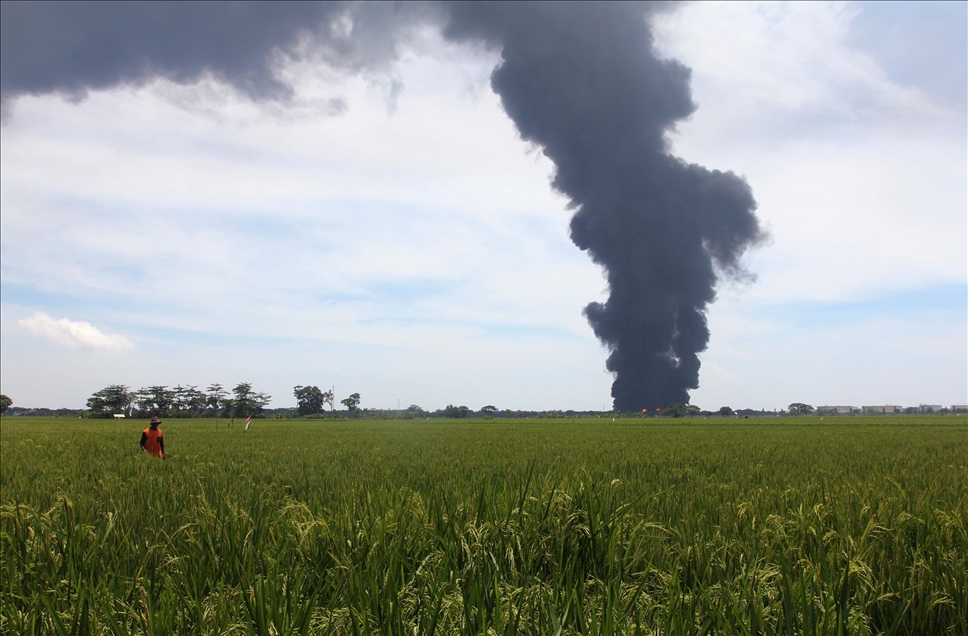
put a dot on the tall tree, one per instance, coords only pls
(112, 399)
(116, 398)
(799, 408)
(160, 399)
(352, 402)
(179, 401)
(143, 400)
(96, 406)
(193, 401)
(185, 403)
(674, 410)
(5, 403)
(309, 399)
(247, 402)
(260, 402)
(244, 400)
(456, 412)
(215, 398)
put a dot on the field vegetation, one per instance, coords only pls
(721, 526)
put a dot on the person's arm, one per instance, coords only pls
(161, 445)
(144, 439)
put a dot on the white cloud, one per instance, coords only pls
(73, 334)
(791, 63)
(307, 216)
(428, 239)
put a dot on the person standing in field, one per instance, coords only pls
(152, 441)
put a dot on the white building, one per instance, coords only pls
(930, 408)
(837, 410)
(887, 408)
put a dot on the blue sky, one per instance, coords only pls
(409, 248)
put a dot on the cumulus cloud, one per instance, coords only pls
(73, 334)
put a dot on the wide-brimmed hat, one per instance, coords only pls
(155, 420)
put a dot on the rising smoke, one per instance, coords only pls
(582, 81)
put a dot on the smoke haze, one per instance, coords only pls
(581, 81)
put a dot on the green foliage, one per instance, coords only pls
(187, 401)
(247, 402)
(155, 400)
(455, 412)
(799, 408)
(5, 403)
(311, 400)
(216, 400)
(110, 400)
(725, 411)
(852, 526)
(676, 410)
(352, 402)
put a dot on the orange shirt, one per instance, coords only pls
(153, 442)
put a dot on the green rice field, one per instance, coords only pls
(838, 526)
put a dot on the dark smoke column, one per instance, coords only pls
(583, 81)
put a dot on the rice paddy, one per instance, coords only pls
(769, 526)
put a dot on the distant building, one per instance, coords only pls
(837, 410)
(930, 408)
(887, 408)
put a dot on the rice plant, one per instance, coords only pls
(783, 526)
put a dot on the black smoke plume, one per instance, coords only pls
(582, 81)
(69, 48)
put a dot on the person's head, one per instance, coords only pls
(155, 422)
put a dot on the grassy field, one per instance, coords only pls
(768, 526)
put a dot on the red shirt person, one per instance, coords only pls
(152, 441)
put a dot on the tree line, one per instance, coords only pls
(214, 401)
(180, 401)
(243, 401)
(310, 400)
